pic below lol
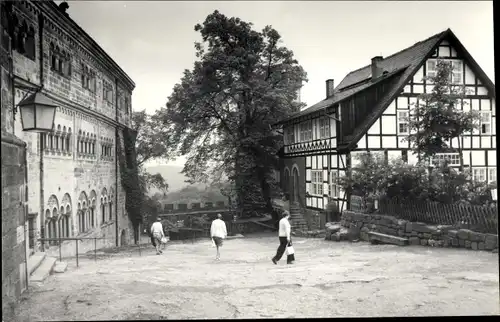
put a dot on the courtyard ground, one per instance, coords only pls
(329, 279)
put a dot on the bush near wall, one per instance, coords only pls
(419, 233)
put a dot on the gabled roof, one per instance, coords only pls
(403, 64)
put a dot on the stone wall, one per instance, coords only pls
(13, 221)
(417, 233)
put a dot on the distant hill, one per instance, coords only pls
(172, 174)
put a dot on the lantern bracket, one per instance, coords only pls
(28, 89)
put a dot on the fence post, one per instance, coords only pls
(76, 240)
(140, 246)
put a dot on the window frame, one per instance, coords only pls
(442, 156)
(485, 123)
(324, 127)
(402, 122)
(334, 184)
(317, 186)
(456, 72)
(490, 171)
(474, 176)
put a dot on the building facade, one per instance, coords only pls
(366, 113)
(73, 173)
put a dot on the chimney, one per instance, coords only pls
(329, 88)
(376, 70)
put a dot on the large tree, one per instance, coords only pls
(148, 147)
(221, 113)
(438, 117)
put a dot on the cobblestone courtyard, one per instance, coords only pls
(328, 280)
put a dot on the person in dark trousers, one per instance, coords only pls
(284, 237)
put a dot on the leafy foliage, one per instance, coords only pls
(130, 177)
(374, 178)
(220, 114)
(437, 117)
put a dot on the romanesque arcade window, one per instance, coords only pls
(106, 149)
(60, 61)
(88, 77)
(58, 142)
(86, 144)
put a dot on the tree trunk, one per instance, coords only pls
(460, 155)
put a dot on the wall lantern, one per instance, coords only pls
(37, 113)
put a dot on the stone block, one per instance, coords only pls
(414, 234)
(476, 237)
(461, 243)
(474, 246)
(427, 235)
(414, 241)
(463, 234)
(455, 242)
(423, 228)
(490, 242)
(333, 227)
(452, 233)
(468, 244)
(423, 242)
(480, 246)
(401, 232)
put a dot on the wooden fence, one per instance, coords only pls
(478, 218)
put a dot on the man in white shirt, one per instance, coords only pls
(218, 232)
(284, 237)
(158, 234)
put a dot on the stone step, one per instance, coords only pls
(34, 261)
(44, 270)
(60, 267)
(376, 238)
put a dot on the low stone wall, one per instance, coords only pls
(318, 233)
(417, 233)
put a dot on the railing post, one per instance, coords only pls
(60, 254)
(76, 240)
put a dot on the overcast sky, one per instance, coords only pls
(153, 41)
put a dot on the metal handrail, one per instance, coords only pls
(60, 239)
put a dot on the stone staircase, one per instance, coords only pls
(297, 221)
(40, 266)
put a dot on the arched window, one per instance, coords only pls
(30, 43)
(21, 38)
(51, 142)
(68, 137)
(92, 219)
(68, 221)
(103, 211)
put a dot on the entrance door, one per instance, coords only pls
(295, 193)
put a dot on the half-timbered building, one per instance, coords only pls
(367, 112)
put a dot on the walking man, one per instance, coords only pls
(158, 234)
(218, 232)
(284, 237)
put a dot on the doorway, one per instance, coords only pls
(295, 193)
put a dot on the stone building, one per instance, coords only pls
(73, 173)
